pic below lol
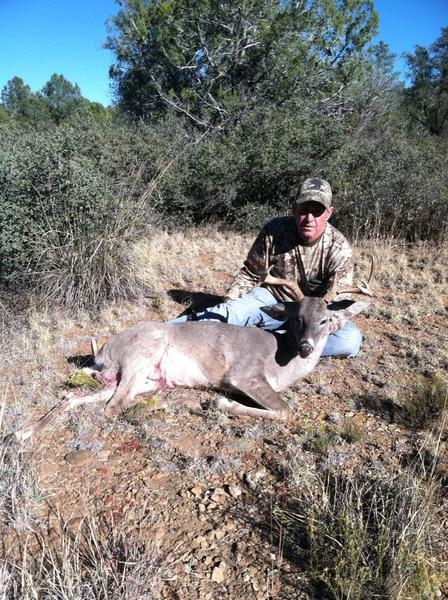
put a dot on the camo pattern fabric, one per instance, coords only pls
(315, 267)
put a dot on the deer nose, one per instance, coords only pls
(305, 349)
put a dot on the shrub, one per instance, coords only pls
(73, 202)
(390, 183)
(74, 198)
(425, 402)
(368, 537)
(351, 432)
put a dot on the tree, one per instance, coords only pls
(15, 95)
(62, 97)
(426, 99)
(213, 61)
(18, 100)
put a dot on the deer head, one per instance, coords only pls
(309, 318)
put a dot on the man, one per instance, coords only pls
(304, 248)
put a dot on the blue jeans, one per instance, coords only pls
(245, 311)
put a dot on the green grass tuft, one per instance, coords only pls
(141, 411)
(81, 379)
(351, 432)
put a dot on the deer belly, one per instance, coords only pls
(178, 370)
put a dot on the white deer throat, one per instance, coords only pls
(280, 377)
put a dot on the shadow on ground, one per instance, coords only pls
(198, 301)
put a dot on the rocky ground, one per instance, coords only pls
(206, 496)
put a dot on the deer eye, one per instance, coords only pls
(323, 322)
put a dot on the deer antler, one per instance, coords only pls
(362, 288)
(94, 346)
(291, 285)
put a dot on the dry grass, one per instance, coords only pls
(189, 258)
(97, 561)
(368, 537)
(199, 468)
(198, 260)
(420, 269)
(81, 266)
(425, 402)
(206, 259)
(19, 492)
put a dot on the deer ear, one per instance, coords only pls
(282, 310)
(348, 308)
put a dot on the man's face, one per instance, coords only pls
(311, 218)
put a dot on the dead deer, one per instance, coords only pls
(206, 354)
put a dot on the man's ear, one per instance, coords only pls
(348, 308)
(282, 310)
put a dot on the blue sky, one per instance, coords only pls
(42, 37)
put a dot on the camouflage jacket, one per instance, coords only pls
(315, 267)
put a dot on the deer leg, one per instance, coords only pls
(69, 402)
(121, 398)
(273, 407)
(137, 378)
(133, 383)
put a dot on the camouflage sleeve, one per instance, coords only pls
(254, 266)
(340, 273)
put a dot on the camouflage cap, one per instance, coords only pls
(315, 190)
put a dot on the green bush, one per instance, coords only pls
(385, 182)
(391, 183)
(70, 208)
(74, 198)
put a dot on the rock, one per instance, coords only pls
(159, 534)
(196, 491)
(218, 574)
(219, 534)
(47, 469)
(75, 524)
(78, 458)
(239, 445)
(234, 491)
(254, 477)
(200, 542)
(334, 418)
(219, 496)
(103, 455)
(253, 570)
(324, 391)
(189, 445)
